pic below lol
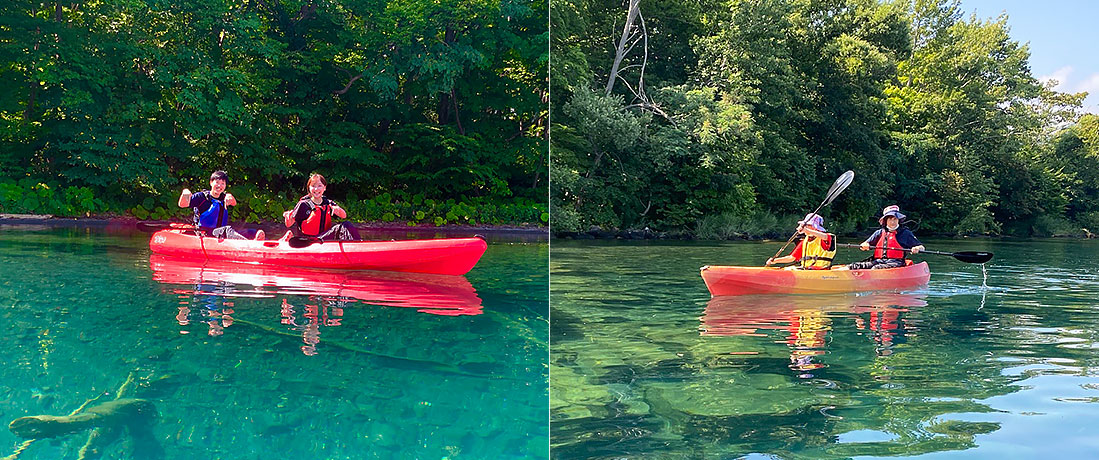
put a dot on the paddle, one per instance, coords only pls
(153, 227)
(969, 257)
(303, 241)
(837, 188)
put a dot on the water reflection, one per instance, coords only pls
(807, 321)
(311, 299)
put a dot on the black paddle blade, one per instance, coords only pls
(301, 242)
(838, 187)
(973, 257)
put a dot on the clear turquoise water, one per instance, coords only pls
(258, 372)
(644, 365)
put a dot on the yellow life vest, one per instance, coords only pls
(815, 256)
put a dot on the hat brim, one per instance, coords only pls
(899, 216)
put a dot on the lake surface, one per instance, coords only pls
(251, 363)
(645, 365)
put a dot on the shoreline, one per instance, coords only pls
(610, 235)
(275, 229)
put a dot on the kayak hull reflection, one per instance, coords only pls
(428, 293)
(444, 256)
(734, 280)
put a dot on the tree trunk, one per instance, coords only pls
(620, 51)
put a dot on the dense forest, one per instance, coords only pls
(427, 112)
(731, 118)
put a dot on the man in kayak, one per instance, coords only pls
(212, 208)
(816, 250)
(891, 242)
(312, 216)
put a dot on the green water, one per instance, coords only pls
(259, 372)
(644, 365)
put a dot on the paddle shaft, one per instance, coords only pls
(969, 257)
(835, 190)
(846, 245)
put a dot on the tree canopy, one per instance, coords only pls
(425, 100)
(729, 117)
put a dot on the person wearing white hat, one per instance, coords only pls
(891, 242)
(815, 250)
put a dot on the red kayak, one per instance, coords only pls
(732, 280)
(444, 256)
(435, 294)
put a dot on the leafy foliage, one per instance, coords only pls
(935, 112)
(134, 100)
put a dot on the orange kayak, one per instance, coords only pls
(732, 280)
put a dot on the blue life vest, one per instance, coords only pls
(215, 213)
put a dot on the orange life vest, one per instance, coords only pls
(888, 247)
(320, 217)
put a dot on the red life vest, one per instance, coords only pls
(320, 217)
(888, 247)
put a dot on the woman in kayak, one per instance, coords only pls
(312, 216)
(212, 208)
(891, 242)
(816, 250)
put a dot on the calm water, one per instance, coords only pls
(644, 365)
(251, 364)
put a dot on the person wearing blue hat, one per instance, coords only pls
(891, 242)
(815, 250)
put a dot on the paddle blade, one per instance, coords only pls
(973, 257)
(301, 242)
(838, 187)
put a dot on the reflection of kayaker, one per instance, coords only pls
(435, 294)
(746, 315)
(805, 320)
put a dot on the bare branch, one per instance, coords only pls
(348, 87)
(620, 52)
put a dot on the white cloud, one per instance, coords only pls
(1091, 85)
(1067, 84)
(1062, 76)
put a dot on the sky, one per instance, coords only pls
(1062, 34)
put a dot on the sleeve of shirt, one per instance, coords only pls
(907, 239)
(874, 238)
(197, 199)
(301, 212)
(796, 253)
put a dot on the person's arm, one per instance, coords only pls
(185, 199)
(338, 211)
(908, 240)
(793, 256)
(289, 217)
(780, 260)
(865, 246)
(814, 232)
